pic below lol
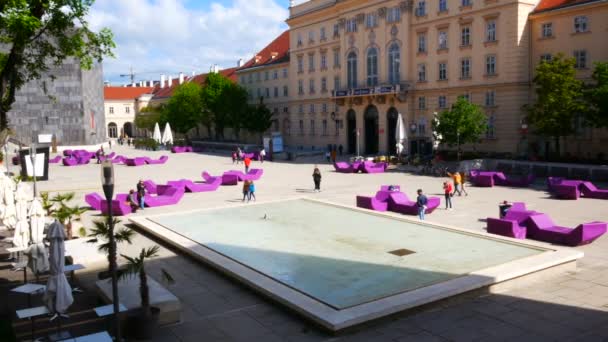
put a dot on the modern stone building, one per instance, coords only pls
(356, 64)
(71, 110)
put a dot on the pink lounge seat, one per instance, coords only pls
(135, 161)
(371, 203)
(566, 191)
(230, 179)
(120, 207)
(166, 195)
(55, 160)
(69, 161)
(94, 200)
(541, 227)
(161, 160)
(343, 167)
(371, 167)
(504, 227)
(589, 190)
(400, 203)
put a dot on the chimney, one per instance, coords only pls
(133, 85)
(215, 68)
(240, 63)
(181, 77)
(169, 81)
(257, 59)
(274, 55)
(162, 81)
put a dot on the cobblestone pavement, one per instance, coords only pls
(568, 307)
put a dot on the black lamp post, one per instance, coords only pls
(107, 182)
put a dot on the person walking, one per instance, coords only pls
(421, 202)
(245, 190)
(251, 191)
(233, 157)
(462, 183)
(316, 178)
(132, 201)
(457, 182)
(333, 156)
(447, 191)
(247, 162)
(128, 141)
(340, 149)
(239, 155)
(328, 156)
(262, 155)
(141, 193)
(110, 144)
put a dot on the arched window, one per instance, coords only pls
(112, 130)
(352, 70)
(393, 63)
(372, 67)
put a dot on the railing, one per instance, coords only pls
(383, 89)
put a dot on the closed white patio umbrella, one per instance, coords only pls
(167, 135)
(9, 216)
(58, 296)
(21, 237)
(156, 136)
(400, 135)
(37, 220)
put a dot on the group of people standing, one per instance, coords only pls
(450, 189)
(248, 190)
(125, 139)
(238, 156)
(332, 153)
(137, 199)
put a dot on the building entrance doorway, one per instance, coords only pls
(391, 128)
(351, 131)
(371, 130)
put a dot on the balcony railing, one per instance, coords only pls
(382, 89)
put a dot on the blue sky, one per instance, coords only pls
(172, 36)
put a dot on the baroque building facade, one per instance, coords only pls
(356, 64)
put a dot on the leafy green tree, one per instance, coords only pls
(597, 96)
(185, 108)
(234, 103)
(258, 119)
(464, 123)
(215, 100)
(36, 34)
(101, 230)
(559, 99)
(149, 116)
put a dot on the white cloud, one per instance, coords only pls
(164, 36)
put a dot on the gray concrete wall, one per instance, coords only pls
(65, 110)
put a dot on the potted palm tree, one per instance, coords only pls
(68, 215)
(101, 230)
(144, 321)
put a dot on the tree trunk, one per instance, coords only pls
(557, 147)
(144, 291)
(68, 228)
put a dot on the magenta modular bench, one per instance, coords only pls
(119, 159)
(120, 207)
(230, 179)
(181, 149)
(372, 203)
(504, 227)
(69, 161)
(135, 161)
(161, 160)
(209, 178)
(55, 160)
(371, 167)
(566, 191)
(166, 195)
(190, 186)
(399, 202)
(542, 228)
(253, 174)
(589, 190)
(344, 167)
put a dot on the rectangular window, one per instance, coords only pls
(443, 39)
(324, 108)
(491, 31)
(111, 110)
(393, 15)
(580, 57)
(443, 71)
(285, 73)
(421, 72)
(301, 109)
(466, 96)
(311, 36)
(300, 87)
(312, 127)
(465, 68)
(336, 58)
(465, 36)
(266, 76)
(443, 5)
(421, 8)
(490, 98)
(546, 57)
(421, 102)
(127, 110)
(322, 34)
(285, 91)
(259, 91)
(300, 64)
(422, 126)
(323, 84)
(337, 83)
(267, 92)
(491, 65)
(442, 102)
(351, 25)
(311, 62)
(299, 39)
(311, 87)
(301, 127)
(547, 30)
(580, 24)
(323, 61)
(422, 42)
(276, 91)
(371, 20)
(250, 78)
(466, 3)
(336, 30)
(324, 127)
(275, 75)
(258, 76)
(491, 127)
(312, 107)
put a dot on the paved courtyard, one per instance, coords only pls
(568, 307)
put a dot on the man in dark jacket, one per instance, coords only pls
(421, 202)
(141, 193)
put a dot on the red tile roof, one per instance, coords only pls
(125, 93)
(159, 92)
(547, 5)
(279, 48)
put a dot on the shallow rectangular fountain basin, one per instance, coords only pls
(342, 266)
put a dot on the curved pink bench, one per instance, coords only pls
(373, 203)
(400, 203)
(120, 207)
(589, 190)
(181, 149)
(69, 161)
(161, 160)
(135, 161)
(166, 195)
(541, 227)
(371, 167)
(344, 167)
(230, 179)
(504, 227)
(55, 160)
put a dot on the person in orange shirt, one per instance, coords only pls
(447, 190)
(247, 162)
(457, 182)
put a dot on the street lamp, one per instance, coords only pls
(33, 160)
(107, 183)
